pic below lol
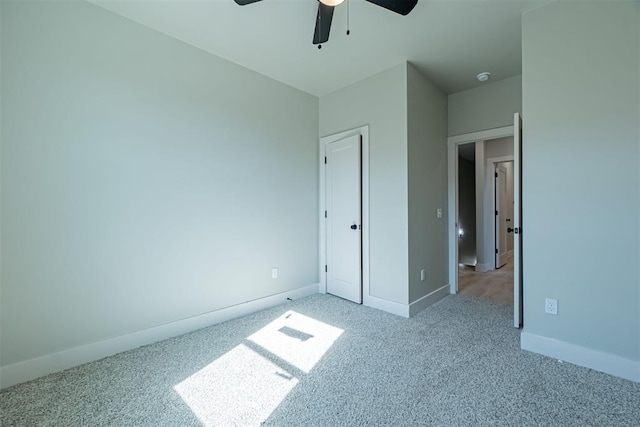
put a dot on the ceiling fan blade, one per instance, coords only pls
(323, 23)
(403, 7)
(245, 2)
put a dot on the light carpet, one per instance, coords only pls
(323, 361)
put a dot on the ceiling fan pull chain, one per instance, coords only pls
(325, 14)
(348, 10)
(320, 26)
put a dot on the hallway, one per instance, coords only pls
(496, 285)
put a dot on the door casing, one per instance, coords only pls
(324, 141)
(452, 161)
(452, 193)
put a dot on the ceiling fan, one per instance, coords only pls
(325, 13)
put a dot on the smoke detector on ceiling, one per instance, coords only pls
(483, 77)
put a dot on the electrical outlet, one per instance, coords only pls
(439, 213)
(274, 273)
(551, 306)
(422, 275)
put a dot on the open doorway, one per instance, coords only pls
(499, 279)
(485, 212)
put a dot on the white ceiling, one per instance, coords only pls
(450, 41)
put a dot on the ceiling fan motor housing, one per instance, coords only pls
(325, 13)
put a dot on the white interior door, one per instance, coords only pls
(344, 218)
(501, 198)
(517, 221)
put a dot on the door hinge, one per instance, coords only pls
(496, 174)
(325, 269)
(325, 160)
(496, 213)
(496, 251)
(325, 214)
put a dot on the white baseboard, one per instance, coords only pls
(30, 369)
(386, 305)
(594, 359)
(424, 302)
(406, 310)
(483, 268)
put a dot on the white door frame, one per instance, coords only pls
(324, 141)
(491, 186)
(452, 183)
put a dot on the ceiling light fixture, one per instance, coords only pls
(326, 9)
(483, 77)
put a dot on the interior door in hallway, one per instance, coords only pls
(501, 215)
(343, 193)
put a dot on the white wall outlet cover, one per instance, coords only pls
(551, 306)
(274, 273)
(439, 213)
(422, 275)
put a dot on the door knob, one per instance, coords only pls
(509, 230)
(354, 227)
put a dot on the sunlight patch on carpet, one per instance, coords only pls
(297, 339)
(243, 387)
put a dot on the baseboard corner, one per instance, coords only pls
(483, 268)
(429, 299)
(387, 305)
(608, 363)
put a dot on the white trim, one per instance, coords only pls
(364, 131)
(30, 369)
(483, 268)
(388, 306)
(452, 191)
(483, 135)
(427, 300)
(409, 310)
(499, 159)
(589, 358)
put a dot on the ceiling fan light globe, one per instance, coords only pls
(331, 2)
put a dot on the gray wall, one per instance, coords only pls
(581, 184)
(499, 147)
(486, 107)
(427, 162)
(467, 211)
(143, 181)
(381, 102)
